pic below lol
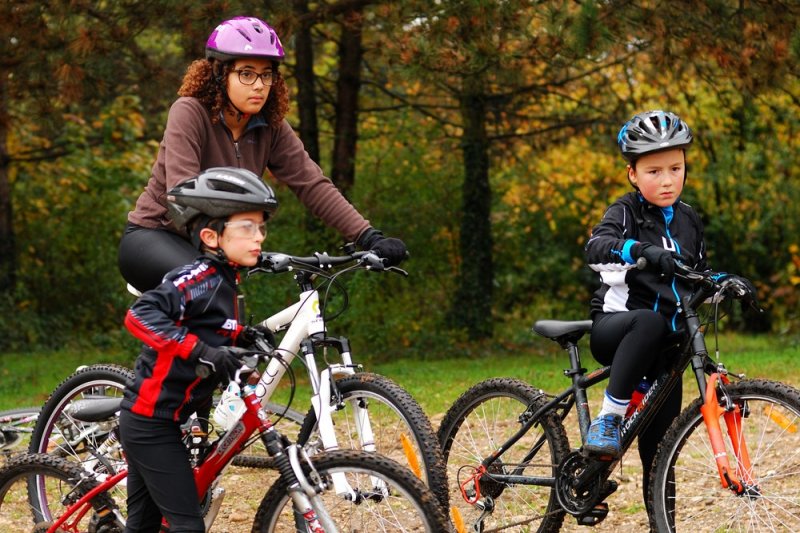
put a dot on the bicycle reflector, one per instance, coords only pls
(780, 419)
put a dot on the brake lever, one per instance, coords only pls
(397, 270)
(375, 262)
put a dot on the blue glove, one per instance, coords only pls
(391, 249)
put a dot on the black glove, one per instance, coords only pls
(658, 259)
(389, 248)
(251, 334)
(223, 361)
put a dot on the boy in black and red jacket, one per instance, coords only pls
(190, 320)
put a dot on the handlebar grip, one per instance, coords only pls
(202, 371)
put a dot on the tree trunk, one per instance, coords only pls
(308, 127)
(7, 252)
(347, 88)
(472, 305)
(304, 73)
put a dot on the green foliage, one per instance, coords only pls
(560, 78)
(69, 215)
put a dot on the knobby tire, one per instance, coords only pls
(402, 407)
(410, 506)
(685, 491)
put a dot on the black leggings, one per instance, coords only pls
(145, 255)
(633, 341)
(160, 478)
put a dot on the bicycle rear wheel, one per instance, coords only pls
(92, 444)
(474, 427)
(403, 503)
(62, 481)
(685, 488)
(400, 428)
(58, 432)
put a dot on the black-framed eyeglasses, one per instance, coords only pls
(249, 77)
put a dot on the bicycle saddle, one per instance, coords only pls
(562, 330)
(95, 410)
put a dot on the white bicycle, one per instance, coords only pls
(349, 408)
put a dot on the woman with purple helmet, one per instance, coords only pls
(230, 113)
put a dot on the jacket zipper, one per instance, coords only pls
(238, 154)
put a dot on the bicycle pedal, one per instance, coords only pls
(609, 488)
(593, 516)
(603, 458)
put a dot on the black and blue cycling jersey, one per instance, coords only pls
(633, 219)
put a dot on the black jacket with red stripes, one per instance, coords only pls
(195, 303)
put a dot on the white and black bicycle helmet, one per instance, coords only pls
(218, 193)
(652, 131)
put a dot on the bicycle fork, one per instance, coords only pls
(322, 392)
(744, 484)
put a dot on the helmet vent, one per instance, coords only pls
(225, 186)
(652, 131)
(243, 34)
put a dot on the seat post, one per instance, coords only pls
(576, 373)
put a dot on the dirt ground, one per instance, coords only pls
(626, 508)
(244, 488)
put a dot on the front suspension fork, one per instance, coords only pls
(711, 411)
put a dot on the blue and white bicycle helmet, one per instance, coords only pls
(652, 131)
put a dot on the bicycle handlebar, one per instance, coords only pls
(249, 364)
(707, 282)
(276, 262)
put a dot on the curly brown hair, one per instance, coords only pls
(201, 81)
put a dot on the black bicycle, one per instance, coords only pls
(729, 462)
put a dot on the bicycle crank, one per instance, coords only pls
(579, 484)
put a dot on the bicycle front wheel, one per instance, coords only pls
(400, 428)
(389, 498)
(474, 427)
(685, 489)
(62, 481)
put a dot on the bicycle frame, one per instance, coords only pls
(304, 326)
(692, 352)
(305, 330)
(206, 474)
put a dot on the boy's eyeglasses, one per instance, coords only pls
(246, 228)
(249, 77)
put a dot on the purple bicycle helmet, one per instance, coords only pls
(244, 37)
(652, 131)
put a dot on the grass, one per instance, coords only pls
(27, 378)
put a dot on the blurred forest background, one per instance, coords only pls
(482, 133)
